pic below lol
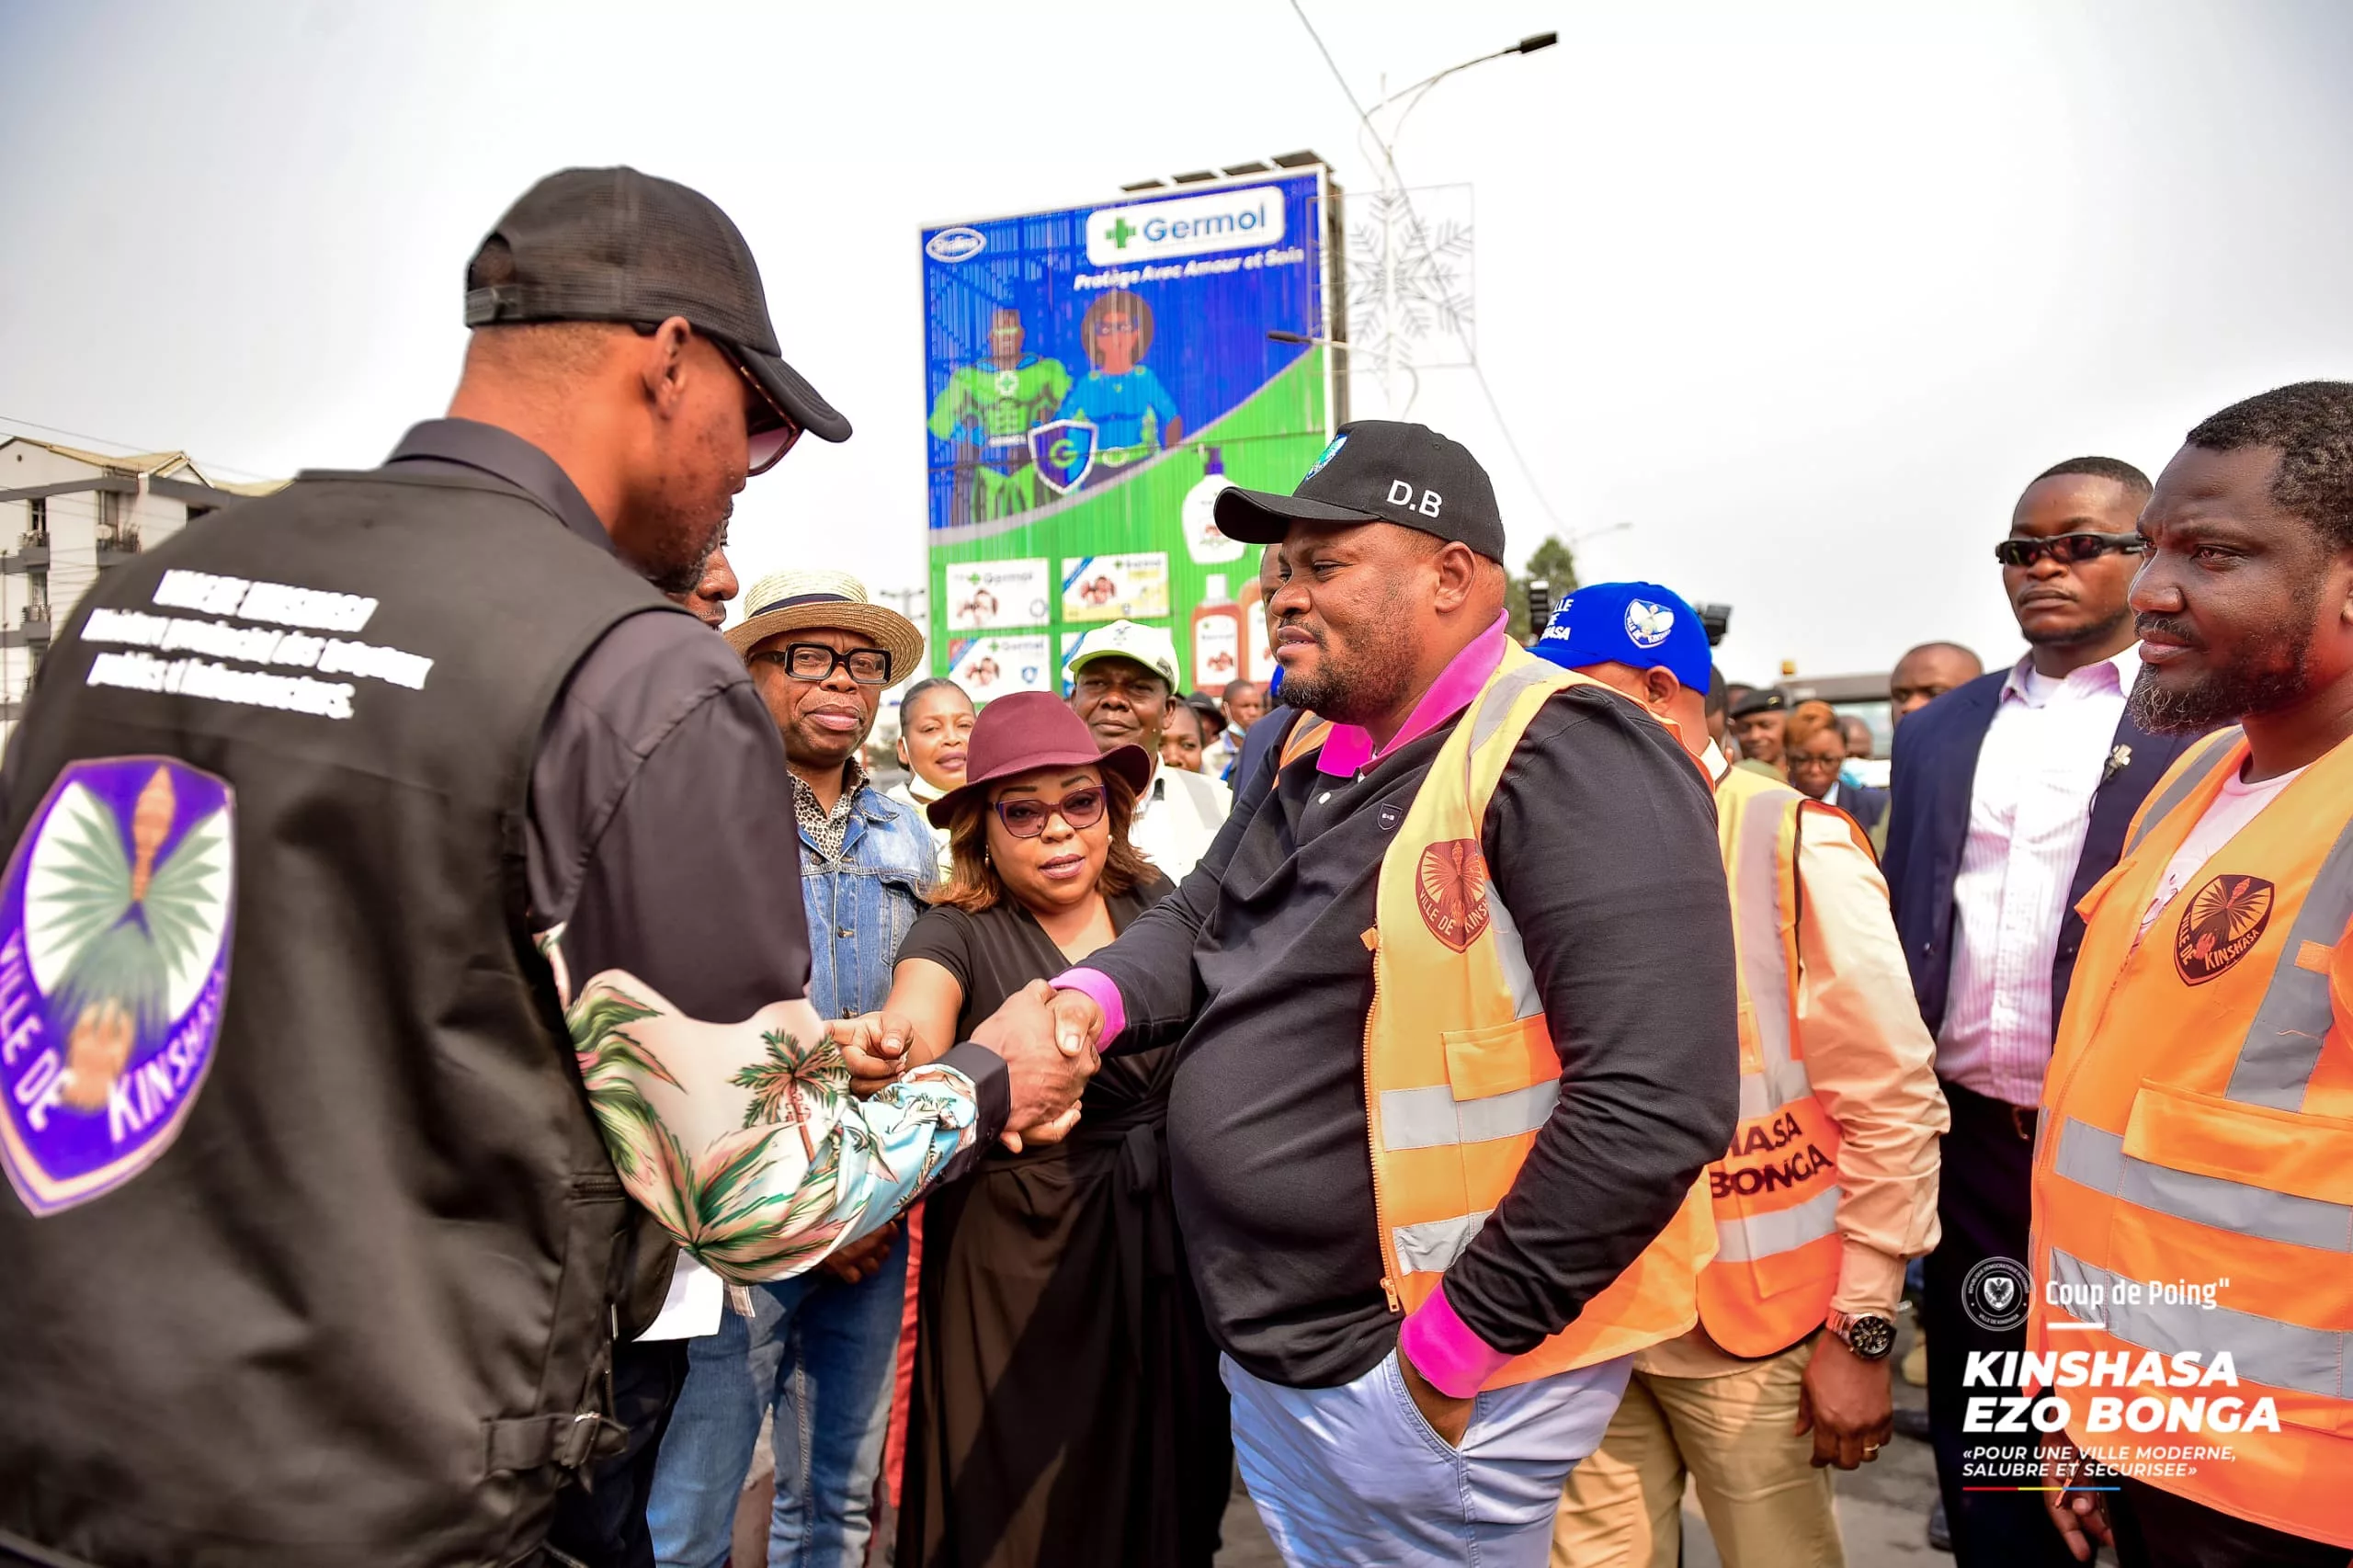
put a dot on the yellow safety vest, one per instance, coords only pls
(1458, 1064)
(1776, 1190)
(2197, 1134)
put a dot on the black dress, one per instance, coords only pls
(1067, 1407)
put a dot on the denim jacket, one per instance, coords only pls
(860, 905)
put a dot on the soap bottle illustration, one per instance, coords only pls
(1202, 541)
(1217, 635)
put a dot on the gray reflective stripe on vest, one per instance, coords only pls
(1500, 696)
(1433, 1118)
(1764, 959)
(1512, 953)
(2275, 1065)
(2094, 1157)
(2208, 755)
(1784, 1230)
(1432, 1247)
(2263, 1350)
(1762, 1093)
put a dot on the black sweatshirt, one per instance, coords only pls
(1601, 842)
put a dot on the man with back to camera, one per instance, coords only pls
(388, 1142)
(2198, 1112)
(1548, 1061)
(2009, 799)
(1829, 1182)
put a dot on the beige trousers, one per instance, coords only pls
(1767, 1507)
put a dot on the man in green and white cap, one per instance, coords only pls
(1122, 680)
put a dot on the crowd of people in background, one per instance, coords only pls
(1011, 1171)
(1986, 863)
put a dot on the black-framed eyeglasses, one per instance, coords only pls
(814, 662)
(767, 436)
(1026, 816)
(2067, 548)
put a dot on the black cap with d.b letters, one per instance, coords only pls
(1378, 470)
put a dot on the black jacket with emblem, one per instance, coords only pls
(359, 1311)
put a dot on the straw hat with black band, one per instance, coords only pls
(813, 599)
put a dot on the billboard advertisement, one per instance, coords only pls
(1092, 377)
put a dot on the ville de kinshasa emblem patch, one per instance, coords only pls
(2221, 926)
(114, 961)
(1451, 886)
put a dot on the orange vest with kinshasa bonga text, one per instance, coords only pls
(1459, 1063)
(2193, 1170)
(1776, 1191)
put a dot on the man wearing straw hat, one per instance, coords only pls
(818, 1348)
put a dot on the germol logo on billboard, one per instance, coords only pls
(1192, 225)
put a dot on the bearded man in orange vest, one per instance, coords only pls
(1829, 1184)
(1456, 991)
(2193, 1168)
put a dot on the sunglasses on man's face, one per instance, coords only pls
(768, 431)
(2067, 548)
(1025, 817)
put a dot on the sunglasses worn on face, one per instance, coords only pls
(768, 434)
(1026, 817)
(1807, 759)
(2067, 548)
(815, 662)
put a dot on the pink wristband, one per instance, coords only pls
(1100, 989)
(1443, 1349)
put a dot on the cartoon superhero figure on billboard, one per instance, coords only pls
(1133, 414)
(987, 410)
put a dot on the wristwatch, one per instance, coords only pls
(1868, 1334)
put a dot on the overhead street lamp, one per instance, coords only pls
(1390, 184)
(1310, 338)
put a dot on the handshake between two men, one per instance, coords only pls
(1046, 1038)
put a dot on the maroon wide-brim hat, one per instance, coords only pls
(1032, 729)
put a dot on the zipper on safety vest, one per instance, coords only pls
(1371, 939)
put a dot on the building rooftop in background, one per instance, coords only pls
(67, 516)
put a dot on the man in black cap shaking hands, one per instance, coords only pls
(1455, 984)
(446, 959)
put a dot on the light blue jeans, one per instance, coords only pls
(821, 1354)
(1353, 1477)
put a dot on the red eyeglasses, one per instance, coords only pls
(1026, 817)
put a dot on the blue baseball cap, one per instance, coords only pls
(1640, 624)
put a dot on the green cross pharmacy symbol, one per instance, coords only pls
(1120, 233)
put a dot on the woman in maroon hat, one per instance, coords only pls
(1066, 1406)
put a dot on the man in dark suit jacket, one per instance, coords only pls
(2011, 795)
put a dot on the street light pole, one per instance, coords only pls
(1392, 186)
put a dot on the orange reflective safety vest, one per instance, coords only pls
(2196, 1137)
(1776, 1190)
(1460, 1071)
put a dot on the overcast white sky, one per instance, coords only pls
(1806, 292)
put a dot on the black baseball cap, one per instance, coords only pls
(1763, 700)
(1378, 470)
(618, 245)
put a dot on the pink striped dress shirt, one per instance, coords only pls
(2029, 807)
